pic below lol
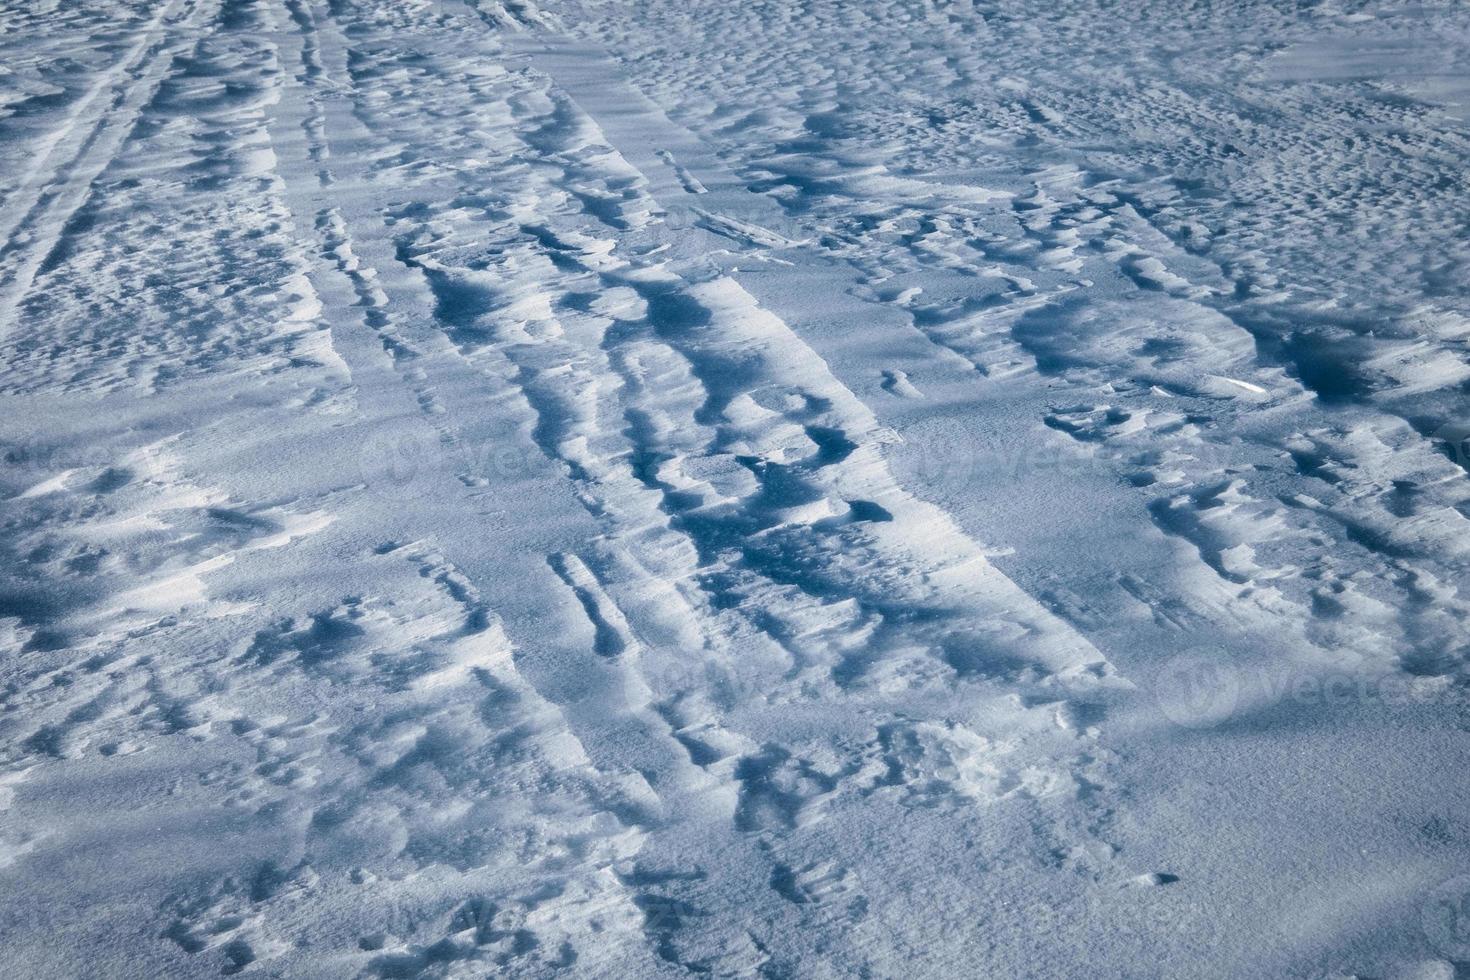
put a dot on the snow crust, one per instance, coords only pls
(917, 488)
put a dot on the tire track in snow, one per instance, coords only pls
(509, 285)
(424, 385)
(667, 156)
(69, 137)
(607, 704)
(78, 151)
(645, 407)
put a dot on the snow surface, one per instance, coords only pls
(784, 488)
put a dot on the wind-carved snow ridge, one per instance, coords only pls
(756, 556)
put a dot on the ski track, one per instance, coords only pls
(660, 636)
(79, 149)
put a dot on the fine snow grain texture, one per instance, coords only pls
(570, 488)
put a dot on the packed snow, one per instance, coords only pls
(781, 488)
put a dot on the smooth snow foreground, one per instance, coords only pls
(909, 488)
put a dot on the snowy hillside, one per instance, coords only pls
(734, 488)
